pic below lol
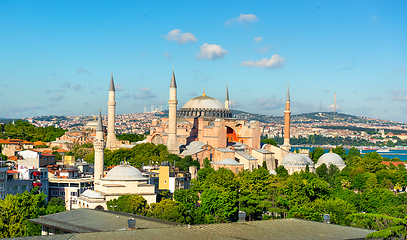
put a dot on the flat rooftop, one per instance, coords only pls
(93, 224)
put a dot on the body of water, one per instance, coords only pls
(401, 154)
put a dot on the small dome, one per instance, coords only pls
(124, 172)
(272, 172)
(92, 194)
(296, 160)
(228, 161)
(203, 102)
(331, 158)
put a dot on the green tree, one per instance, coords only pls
(128, 203)
(253, 192)
(55, 205)
(317, 153)
(281, 171)
(16, 210)
(205, 171)
(322, 171)
(270, 141)
(168, 210)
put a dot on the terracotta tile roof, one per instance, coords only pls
(12, 171)
(47, 154)
(387, 163)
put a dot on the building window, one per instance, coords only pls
(54, 193)
(74, 194)
(9, 189)
(15, 188)
(61, 193)
(24, 187)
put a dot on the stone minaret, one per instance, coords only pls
(172, 143)
(99, 146)
(287, 114)
(227, 98)
(111, 132)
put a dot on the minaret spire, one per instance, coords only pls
(111, 141)
(173, 82)
(111, 88)
(227, 97)
(288, 93)
(172, 142)
(99, 146)
(99, 126)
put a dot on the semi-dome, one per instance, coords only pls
(331, 158)
(228, 161)
(92, 194)
(204, 106)
(124, 173)
(296, 160)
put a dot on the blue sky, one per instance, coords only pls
(56, 56)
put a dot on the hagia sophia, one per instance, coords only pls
(202, 128)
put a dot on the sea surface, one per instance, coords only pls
(401, 154)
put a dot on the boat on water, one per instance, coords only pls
(383, 150)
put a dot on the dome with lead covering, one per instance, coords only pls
(203, 102)
(204, 106)
(296, 160)
(92, 194)
(331, 158)
(124, 173)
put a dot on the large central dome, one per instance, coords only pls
(204, 106)
(203, 102)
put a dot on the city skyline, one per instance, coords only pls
(57, 56)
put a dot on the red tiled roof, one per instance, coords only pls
(47, 154)
(387, 163)
(12, 171)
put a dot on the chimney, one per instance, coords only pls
(131, 224)
(327, 217)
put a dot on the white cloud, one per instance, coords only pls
(66, 84)
(258, 39)
(269, 103)
(399, 95)
(56, 97)
(167, 55)
(118, 87)
(211, 51)
(144, 93)
(181, 38)
(263, 50)
(82, 71)
(243, 18)
(274, 62)
(77, 87)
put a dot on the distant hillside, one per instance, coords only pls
(5, 120)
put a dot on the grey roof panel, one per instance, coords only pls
(270, 229)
